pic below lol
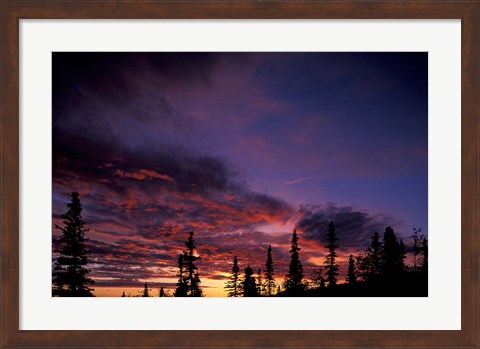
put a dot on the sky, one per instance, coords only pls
(240, 148)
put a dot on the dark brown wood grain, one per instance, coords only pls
(9, 176)
(470, 173)
(12, 11)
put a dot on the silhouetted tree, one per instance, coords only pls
(189, 281)
(364, 267)
(352, 272)
(374, 256)
(123, 294)
(259, 282)
(331, 268)
(269, 274)
(249, 284)
(196, 291)
(416, 247)
(182, 286)
(369, 265)
(390, 247)
(145, 292)
(69, 271)
(233, 285)
(294, 279)
(318, 281)
(402, 254)
(161, 293)
(393, 254)
(279, 289)
(424, 248)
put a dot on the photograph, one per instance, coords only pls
(239, 174)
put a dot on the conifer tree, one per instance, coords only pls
(393, 254)
(259, 282)
(294, 279)
(269, 274)
(249, 284)
(279, 289)
(70, 271)
(389, 251)
(161, 293)
(363, 267)
(195, 290)
(182, 287)
(369, 265)
(331, 268)
(402, 254)
(416, 247)
(424, 248)
(123, 294)
(352, 271)
(189, 279)
(322, 282)
(145, 292)
(374, 256)
(318, 281)
(233, 285)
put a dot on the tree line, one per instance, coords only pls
(379, 271)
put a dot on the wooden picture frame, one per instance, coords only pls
(13, 11)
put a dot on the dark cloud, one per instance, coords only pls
(111, 74)
(353, 227)
(95, 158)
(105, 103)
(153, 185)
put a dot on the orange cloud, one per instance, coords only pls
(143, 174)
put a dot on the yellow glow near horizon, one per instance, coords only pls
(212, 288)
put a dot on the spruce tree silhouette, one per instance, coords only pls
(161, 293)
(249, 284)
(145, 292)
(352, 272)
(393, 255)
(69, 271)
(318, 281)
(402, 254)
(182, 287)
(269, 274)
(416, 247)
(123, 294)
(294, 279)
(193, 278)
(369, 265)
(364, 267)
(233, 285)
(374, 255)
(424, 248)
(331, 268)
(189, 281)
(260, 285)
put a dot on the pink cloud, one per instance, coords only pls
(143, 174)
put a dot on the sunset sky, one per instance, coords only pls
(241, 148)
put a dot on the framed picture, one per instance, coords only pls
(281, 174)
